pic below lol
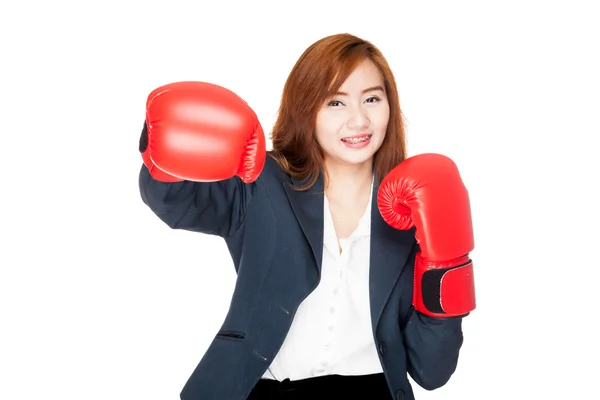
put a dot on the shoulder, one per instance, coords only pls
(272, 171)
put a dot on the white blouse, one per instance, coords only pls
(331, 331)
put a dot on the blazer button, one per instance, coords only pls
(382, 348)
(400, 395)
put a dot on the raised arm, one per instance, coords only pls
(426, 191)
(202, 148)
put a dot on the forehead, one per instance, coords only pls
(366, 74)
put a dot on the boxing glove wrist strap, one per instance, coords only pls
(444, 289)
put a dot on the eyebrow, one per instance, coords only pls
(371, 89)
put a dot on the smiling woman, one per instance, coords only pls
(337, 79)
(329, 298)
(355, 118)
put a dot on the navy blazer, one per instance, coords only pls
(275, 236)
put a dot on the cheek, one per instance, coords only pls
(322, 135)
(380, 119)
(327, 128)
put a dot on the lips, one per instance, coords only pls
(357, 138)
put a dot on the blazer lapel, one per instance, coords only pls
(308, 207)
(390, 249)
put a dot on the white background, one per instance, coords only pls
(100, 300)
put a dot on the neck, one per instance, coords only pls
(349, 179)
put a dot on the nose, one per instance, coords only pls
(358, 119)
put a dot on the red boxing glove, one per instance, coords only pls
(155, 172)
(426, 191)
(201, 132)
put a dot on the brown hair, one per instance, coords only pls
(317, 75)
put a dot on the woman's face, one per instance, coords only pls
(351, 125)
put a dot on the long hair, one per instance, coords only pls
(317, 75)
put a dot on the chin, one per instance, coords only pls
(356, 158)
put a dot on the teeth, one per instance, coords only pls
(356, 140)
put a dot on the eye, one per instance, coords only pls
(373, 99)
(335, 103)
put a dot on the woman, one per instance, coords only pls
(323, 303)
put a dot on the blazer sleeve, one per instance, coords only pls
(433, 346)
(215, 208)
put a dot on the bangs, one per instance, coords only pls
(342, 66)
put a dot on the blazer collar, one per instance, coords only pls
(308, 208)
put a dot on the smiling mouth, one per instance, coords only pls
(356, 139)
